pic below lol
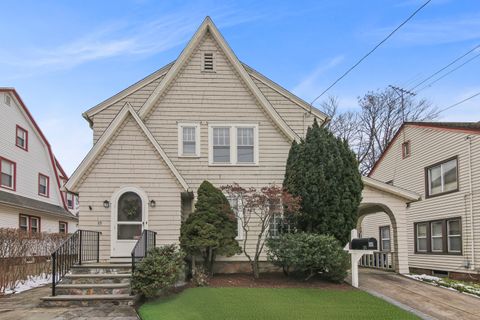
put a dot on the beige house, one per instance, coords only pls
(205, 116)
(440, 162)
(31, 176)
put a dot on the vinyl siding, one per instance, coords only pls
(430, 146)
(130, 160)
(370, 226)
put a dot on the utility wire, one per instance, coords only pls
(371, 51)
(460, 102)
(448, 65)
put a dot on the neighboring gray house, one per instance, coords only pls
(205, 116)
(440, 161)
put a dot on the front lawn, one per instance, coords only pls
(270, 303)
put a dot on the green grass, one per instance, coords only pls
(274, 304)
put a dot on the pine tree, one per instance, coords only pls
(211, 229)
(323, 171)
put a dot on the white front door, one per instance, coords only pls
(129, 218)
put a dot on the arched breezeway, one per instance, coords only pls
(379, 197)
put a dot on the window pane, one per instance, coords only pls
(437, 244)
(130, 207)
(454, 244)
(454, 227)
(129, 231)
(34, 224)
(7, 180)
(450, 175)
(189, 148)
(221, 136)
(421, 244)
(245, 136)
(245, 154)
(435, 180)
(189, 141)
(385, 233)
(386, 245)
(221, 154)
(436, 229)
(7, 167)
(422, 230)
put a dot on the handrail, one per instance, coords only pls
(81, 246)
(147, 241)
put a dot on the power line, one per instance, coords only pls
(448, 65)
(460, 102)
(371, 51)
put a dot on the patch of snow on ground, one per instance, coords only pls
(30, 283)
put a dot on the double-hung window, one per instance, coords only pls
(188, 140)
(233, 144)
(439, 236)
(29, 223)
(70, 198)
(43, 185)
(385, 238)
(442, 177)
(8, 172)
(21, 139)
(62, 227)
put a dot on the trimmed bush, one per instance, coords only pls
(158, 271)
(309, 254)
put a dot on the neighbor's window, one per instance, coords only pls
(234, 145)
(70, 200)
(439, 236)
(7, 168)
(442, 178)
(62, 227)
(21, 140)
(221, 145)
(421, 235)
(189, 136)
(454, 235)
(43, 185)
(406, 149)
(29, 223)
(385, 238)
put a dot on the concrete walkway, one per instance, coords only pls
(434, 302)
(25, 305)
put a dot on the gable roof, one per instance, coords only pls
(397, 191)
(34, 124)
(107, 136)
(208, 26)
(465, 127)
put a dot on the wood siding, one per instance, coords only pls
(429, 146)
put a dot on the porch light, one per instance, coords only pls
(106, 204)
(152, 203)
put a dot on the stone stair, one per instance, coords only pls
(94, 284)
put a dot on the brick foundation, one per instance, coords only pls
(242, 267)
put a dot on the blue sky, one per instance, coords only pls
(64, 57)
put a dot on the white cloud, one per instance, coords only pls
(312, 84)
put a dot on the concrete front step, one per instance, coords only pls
(93, 288)
(100, 278)
(102, 268)
(88, 300)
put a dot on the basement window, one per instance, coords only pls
(208, 64)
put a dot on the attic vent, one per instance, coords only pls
(7, 100)
(208, 61)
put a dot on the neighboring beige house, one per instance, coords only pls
(31, 176)
(440, 161)
(205, 116)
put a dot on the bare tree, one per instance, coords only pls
(370, 129)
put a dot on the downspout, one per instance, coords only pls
(472, 233)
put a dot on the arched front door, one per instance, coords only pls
(128, 221)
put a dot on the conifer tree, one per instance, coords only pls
(323, 171)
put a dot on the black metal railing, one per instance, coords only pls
(147, 241)
(81, 246)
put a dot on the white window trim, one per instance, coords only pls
(181, 125)
(233, 144)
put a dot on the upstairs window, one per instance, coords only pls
(8, 171)
(406, 149)
(233, 145)
(43, 185)
(188, 140)
(442, 178)
(62, 227)
(70, 198)
(208, 62)
(21, 140)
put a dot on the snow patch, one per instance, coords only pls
(30, 283)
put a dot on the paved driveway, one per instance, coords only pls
(434, 302)
(25, 306)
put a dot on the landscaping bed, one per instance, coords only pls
(216, 303)
(460, 286)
